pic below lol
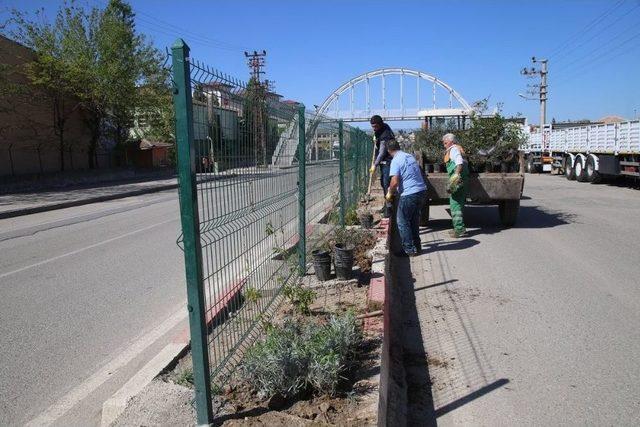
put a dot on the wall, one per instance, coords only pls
(28, 144)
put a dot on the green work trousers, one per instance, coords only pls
(457, 199)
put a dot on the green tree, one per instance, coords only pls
(49, 74)
(96, 57)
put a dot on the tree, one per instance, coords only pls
(489, 142)
(96, 57)
(50, 73)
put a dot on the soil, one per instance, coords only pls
(355, 403)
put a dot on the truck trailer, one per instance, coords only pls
(586, 153)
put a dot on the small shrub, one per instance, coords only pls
(252, 295)
(185, 378)
(278, 363)
(301, 298)
(295, 356)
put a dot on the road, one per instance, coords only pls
(78, 287)
(538, 324)
(89, 294)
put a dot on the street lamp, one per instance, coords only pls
(527, 98)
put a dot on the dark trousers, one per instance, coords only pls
(409, 209)
(385, 179)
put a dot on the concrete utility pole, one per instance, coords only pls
(543, 71)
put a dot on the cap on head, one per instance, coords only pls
(393, 145)
(376, 120)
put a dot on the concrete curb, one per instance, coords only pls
(166, 358)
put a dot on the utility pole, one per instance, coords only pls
(258, 100)
(542, 72)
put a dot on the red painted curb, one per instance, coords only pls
(184, 337)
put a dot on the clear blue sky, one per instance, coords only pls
(478, 47)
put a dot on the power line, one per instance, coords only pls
(586, 29)
(624, 15)
(152, 20)
(586, 68)
(586, 59)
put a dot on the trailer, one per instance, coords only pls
(586, 153)
(501, 189)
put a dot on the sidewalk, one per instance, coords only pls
(447, 370)
(12, 205)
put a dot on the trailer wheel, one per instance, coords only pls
(593, 175)
(569, 170)
(508, 210)
(580, 171)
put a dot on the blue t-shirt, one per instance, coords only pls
(406, 167)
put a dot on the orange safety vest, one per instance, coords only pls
(446, 154)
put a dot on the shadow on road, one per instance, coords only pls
(485, 220)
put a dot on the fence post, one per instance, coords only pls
(343, 199)
(302, 201)
(191, 229)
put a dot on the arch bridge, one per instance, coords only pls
(394, 94)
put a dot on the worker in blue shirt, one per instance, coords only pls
(407, 180)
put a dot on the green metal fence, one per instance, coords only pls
(255, 174)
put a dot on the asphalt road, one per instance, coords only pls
(538, 324)
(78, 287)
(89, 294)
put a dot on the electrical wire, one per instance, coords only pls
(623, 16)
(152, 20)
(585, 30)
(592, 66)
(587, 59)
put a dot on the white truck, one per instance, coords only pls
(586, 153)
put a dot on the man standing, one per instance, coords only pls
(406, 177)
(458, 174)
(382, 134)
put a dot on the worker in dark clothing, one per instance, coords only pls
(382, 135)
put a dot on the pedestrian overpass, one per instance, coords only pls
(393, 93)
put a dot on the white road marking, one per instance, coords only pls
(77, 251)
(78, 393)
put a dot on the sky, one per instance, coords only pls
(477, 47)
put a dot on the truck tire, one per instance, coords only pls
(508, 210)
(579, 170)
(593, 176)
(569, 171)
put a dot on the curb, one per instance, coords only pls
(179, 345)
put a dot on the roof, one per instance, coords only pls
(145, 144)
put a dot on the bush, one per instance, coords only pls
(295, 356)
(489, 142)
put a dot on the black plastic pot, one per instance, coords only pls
(343, 260)
(322, 264)
(366, 220)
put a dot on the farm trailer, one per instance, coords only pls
(502, 189)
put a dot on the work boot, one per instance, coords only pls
(455, 235)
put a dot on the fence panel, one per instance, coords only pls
(254, 174)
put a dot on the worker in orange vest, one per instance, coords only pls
(458, 171)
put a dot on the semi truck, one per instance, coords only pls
(586, 153)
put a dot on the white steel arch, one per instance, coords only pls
(382, 72)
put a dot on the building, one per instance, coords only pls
(29, 143)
